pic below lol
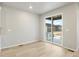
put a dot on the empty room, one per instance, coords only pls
(39, 29)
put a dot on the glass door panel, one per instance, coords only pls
(48, 29)
(57, 30)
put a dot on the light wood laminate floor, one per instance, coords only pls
(38, 49)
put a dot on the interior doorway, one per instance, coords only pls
(54, 29)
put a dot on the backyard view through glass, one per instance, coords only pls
(54, 29)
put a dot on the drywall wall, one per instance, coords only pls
(19, 27)
(69, 25)
(0, 27)
(78, 25)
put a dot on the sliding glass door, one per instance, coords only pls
(54, 30)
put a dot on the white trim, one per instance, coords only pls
(77, 30)
(62, 46)
(51, 28)
(70, 48)
(20, 44)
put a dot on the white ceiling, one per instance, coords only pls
(38, 7)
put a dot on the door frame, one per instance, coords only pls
(51, 29)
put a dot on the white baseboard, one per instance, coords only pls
(33, 42)
(20, 44)
(63, 46)
(70, 48)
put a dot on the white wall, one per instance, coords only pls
(19, 27)
(0, 27)
(69, 25)
(78, 26)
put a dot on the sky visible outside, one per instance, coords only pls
(55, 22)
